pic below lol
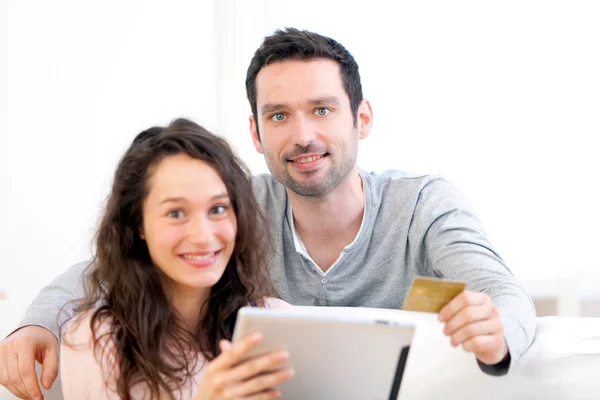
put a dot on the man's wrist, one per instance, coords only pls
(499, 369)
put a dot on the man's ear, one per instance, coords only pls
(255, 134)
(364, 119)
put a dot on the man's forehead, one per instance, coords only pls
(299, 80)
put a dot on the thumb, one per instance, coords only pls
(49, 366)
(224, 345)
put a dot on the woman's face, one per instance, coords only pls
(188, 223)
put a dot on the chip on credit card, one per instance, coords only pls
(431, 294)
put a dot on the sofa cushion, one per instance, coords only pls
(562, 363)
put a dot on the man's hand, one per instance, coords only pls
(18, 354)
(473, 321)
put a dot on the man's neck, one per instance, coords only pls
(328, 224)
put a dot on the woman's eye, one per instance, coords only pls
(323, 111)
(278, 117)
(218, 210)
(177, 214)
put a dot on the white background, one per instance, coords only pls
(502, 98)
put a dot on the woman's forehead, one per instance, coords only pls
(183, 176)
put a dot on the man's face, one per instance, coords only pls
(307, 133)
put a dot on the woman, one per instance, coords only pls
(179, 251)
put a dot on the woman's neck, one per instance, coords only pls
(188, 303)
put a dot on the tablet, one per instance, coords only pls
(334, 357)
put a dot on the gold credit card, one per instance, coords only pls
(431, 294)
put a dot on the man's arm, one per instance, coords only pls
(456, 247)
(36, 338)
(44, 309)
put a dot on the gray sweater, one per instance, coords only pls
(412, 225)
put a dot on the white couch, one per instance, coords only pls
(562, 363)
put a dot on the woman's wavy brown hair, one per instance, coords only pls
(123, 286)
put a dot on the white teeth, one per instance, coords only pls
(308, 159)
(198, 258)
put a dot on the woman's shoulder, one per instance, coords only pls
(80, 331)
(88, 359)
(273, 302)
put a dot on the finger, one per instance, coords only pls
(225, 345)
(3, 370)
(4, 377)
(466, 298)
(49, 366)
(468, 315)
(16, 392)
(27, 373)
(255, 366)
(258, 384)
(16, 385)
(266, 395)
(11, 388)
(485, 344)
(234, 354)
(479, 328)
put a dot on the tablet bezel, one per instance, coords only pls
(269, 322)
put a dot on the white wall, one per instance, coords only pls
(78, 81)
(501, 98)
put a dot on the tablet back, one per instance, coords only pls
(341, 357)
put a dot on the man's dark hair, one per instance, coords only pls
(294, 44)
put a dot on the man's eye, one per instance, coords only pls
(177, 214)
(323, 111)
(278, 117)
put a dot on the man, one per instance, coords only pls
(341, 236)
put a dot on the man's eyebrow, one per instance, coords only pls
(325, 101)
(318, 101)
(270, 108)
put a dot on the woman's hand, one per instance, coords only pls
(227, 377)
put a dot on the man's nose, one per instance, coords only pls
(303, 131)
